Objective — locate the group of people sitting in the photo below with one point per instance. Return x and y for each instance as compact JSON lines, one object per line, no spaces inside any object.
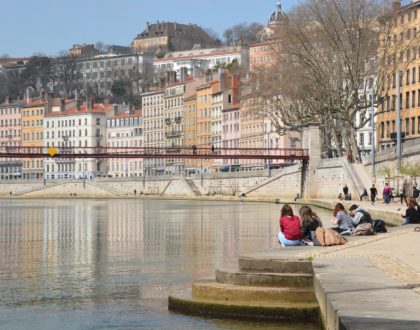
{"x":301,"y":230}
{"x":297,"y":231}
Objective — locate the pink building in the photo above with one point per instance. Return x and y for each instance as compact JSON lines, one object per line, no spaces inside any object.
{"x":231,"y":131}
{"x":10,"y":136}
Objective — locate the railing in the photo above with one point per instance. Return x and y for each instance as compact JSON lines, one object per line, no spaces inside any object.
{"x":158,"y":152}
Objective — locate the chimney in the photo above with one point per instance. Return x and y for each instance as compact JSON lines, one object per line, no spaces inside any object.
{"x":7,"y":101}
{"x":62,"y":105}
{"x":115,"y":109}
{"x":28,"y":96}
{"x":222,"y":79}
{"x":396,"y":5}
{"x":49,"y":102}
{"x":90,"y":103}
{"x":209,"y":76}
{"x":147,"y":27}
{"x":130,"y":109}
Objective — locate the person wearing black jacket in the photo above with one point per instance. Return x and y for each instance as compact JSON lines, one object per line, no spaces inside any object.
{"x":310,"y":222}
{"x":373,"y":194}
{"x":412,"y":215}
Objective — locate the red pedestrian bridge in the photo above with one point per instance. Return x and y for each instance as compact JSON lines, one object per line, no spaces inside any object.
{"x":152,"y":152}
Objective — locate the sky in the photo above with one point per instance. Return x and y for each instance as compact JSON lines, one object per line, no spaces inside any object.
{"x":47,"y":27}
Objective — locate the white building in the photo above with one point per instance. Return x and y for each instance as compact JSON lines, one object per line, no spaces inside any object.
{"x":125,"y":130}
{"x":201,"y":59}
{"x":365,"y":134}
{"x":174,"y":125}
{"x":81,"y":126}
{"x":154,"y":130}
{"x":98,"y":73}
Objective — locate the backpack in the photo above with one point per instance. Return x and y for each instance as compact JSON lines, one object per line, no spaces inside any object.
{"x":329,"y":237}
{"x":366,"y":218}
{"x":379,"y":226}
{"x":364,"y":229}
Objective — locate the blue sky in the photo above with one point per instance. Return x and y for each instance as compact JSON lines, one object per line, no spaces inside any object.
{"x":49,"y":26}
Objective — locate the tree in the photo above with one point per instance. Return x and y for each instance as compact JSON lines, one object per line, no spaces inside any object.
{"x":38,"y":73}
{"x":329,"y":55}
{"x":67,"y":74}
{"x":247,"y":33}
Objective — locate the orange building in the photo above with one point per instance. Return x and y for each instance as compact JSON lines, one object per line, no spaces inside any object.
{"x":32,"y":136}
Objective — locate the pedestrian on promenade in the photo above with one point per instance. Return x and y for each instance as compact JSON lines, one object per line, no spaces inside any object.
{"x":310,"y":222}
{"x":403,"y":195}
{"x":411,"y":215}
{"x":342,"y":222}
{"x":346,"y":192}
{"x":416,"y":194}
{"x":364,"y":194}
{"x":290,"y":233}
{"x":373,"y":194}
{"x":350,"y":157}
{"x":387,"y":192}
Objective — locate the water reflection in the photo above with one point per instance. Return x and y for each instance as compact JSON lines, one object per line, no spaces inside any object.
{"x":102,"y":264}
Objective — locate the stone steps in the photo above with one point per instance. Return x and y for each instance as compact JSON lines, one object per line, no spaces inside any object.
{"x":226,"y":292}
{"x":291,"y":280}
{"x":270,"y":265}
{"x":262,"y":288}
{"x":266,"y":310}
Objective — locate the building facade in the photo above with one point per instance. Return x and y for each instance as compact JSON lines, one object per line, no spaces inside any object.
{"x":405,"y":60}
{"x":32,"y":137}
{"x":174,"y":126}
{"x":80,"y":126}
{"x":154,"y":131}
{"x":125,"y":130}
{"x":10,"y":137}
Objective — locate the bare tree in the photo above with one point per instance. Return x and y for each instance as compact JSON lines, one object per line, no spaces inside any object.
{"x":247,"y":33}
{"x":329,"y":56}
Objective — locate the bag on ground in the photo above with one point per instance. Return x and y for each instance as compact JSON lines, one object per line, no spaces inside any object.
{"x":379,"y":226}
{"x":329,"y":237}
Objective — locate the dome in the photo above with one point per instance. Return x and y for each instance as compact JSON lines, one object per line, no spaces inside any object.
{"x":278,"y":16}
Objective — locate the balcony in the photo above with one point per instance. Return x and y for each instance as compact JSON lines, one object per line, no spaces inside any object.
{"x":173,"y":134}
{"x":168,"y":121}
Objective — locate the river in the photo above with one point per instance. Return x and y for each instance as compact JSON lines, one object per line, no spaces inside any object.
{"x":111,"y":264}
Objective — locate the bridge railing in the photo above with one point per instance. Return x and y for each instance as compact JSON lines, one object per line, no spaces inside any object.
{"x":155,"y":152}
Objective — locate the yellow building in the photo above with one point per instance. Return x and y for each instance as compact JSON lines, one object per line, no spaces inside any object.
{"x":404,"y":56}
{"x":32,"y":136}
{"x":204,"y":120}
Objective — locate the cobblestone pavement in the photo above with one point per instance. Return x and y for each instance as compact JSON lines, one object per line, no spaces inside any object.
{"x":395,"y":253}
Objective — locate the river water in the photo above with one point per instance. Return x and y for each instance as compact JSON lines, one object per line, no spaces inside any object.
{"x":111,"y":264}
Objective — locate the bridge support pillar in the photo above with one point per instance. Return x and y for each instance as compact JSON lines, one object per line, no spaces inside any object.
{"x":311,"y":140}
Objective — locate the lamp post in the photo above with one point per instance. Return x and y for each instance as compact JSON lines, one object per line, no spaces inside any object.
{"x":399,"y":122}
{"x":372,"y":123}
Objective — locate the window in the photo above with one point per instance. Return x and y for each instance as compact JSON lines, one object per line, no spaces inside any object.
{"x":98,"y":121}
{"x":407,"y":126}
{"x":413,"y":125}
{"x":407,"y":100}
{"x":362,"y":139}
{"x":413,"y":99}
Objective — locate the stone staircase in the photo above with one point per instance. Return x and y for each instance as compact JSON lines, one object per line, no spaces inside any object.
{"x":268,"y":289}
{"x":193,"y":187}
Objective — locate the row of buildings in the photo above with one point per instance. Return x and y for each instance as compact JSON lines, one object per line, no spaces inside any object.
{"x":205,"y":112}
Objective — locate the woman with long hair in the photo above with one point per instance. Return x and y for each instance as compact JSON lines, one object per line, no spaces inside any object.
{"x":411,"y":215}
{"x":309,"y":222}
{"x":342,"y":221}
{"x":290,"y":229}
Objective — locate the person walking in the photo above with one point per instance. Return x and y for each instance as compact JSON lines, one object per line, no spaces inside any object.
{"x":387,"y":192}
{"x":403,"y":195}
{"x":346,"y":192}
{"x":373,"y":194}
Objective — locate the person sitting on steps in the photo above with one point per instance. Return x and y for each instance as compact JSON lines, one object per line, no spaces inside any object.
{"x":342,"y":221}
{"x":359,"y":215}
{"x":310,"y":222}
{"x":290,"y":228}
{"x":411,"y":215}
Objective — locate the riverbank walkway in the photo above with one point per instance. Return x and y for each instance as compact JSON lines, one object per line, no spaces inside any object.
{"x":372,"y":282}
